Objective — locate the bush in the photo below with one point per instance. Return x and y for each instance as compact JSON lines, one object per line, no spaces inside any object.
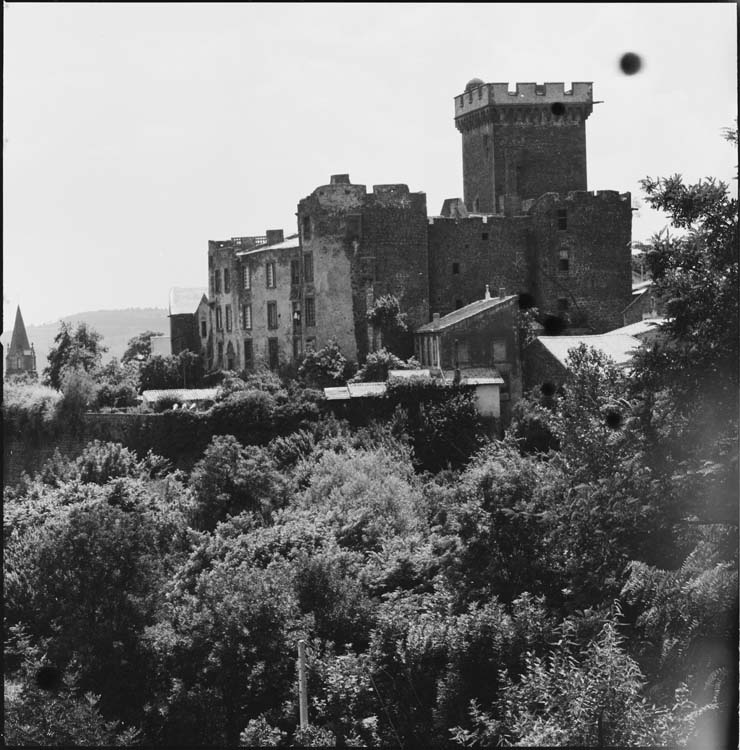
{"x":30,"y":408}
{"x":377,"y":364}
{"x":325,"y":367}
{"x":80,"y":393}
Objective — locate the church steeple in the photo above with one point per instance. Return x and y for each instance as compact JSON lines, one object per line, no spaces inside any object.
{"x":21,"y":358}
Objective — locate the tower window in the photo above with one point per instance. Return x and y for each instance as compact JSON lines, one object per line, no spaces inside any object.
{"x":272,"y":315}
{"x":306,"y":224}
{"x":227,"y":281}
{"x":563,"y":260}
{"x":228,"y":317}
{"x":562,"y":218}
{"x":455,"y":268}
{"x":217,"y":281}
{"x":246,"y":317}
{"x":310,"y":307}
{"x":219,"y":320}
{"x":308,"y":267}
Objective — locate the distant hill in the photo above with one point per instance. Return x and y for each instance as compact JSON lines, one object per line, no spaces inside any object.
{"x":116,"y":327}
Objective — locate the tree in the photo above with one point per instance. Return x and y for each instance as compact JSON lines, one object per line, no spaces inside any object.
{"x":377,"y":364}
{"x":595,"y":700}
{"x":230,"y":479}
{"x":80,"y":349}
{"x":139,"y":348}
{"x":184,"y":370}
{"x":386,"y":316}
{"x":325,"y":367}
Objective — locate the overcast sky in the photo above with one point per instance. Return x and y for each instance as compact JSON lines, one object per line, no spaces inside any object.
{"x":134,"y":133}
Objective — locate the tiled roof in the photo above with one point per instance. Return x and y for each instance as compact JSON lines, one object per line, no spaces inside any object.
{"x":291,"y":243}
{"x":475,"y":376}
{"x":354,"y":390}
{"x":649,"y":325}
{"x":181,"y":394}
{"x":360,"y":390}
{"x":469,"y":311}
{"x":618,"y":346}
{"x":185,"y":300}
{"x":409,"y":374}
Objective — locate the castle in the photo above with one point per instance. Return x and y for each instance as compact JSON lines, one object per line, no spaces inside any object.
{"x":526,"y":226}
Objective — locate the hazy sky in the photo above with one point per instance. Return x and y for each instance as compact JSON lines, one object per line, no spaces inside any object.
{"x":134,"y":133}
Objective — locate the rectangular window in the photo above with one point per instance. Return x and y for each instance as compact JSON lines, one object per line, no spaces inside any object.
{"x":562,"y":218}
{"x":296,"y":318}
{"x":484,"y":235}
{"x":272,"y":315}
{"x":270,"y":274}
{"x":310,"y":308}
{"x":306,"y":225}
{"x":217,"y":281}
{"x":203,"y":329}
{"x":308,"y":267}
{"x":563,"y":260}
{"x":272,"y":353}
{"x":247,"y":317}
{"x":219,"y":319}
{"x":246,"y":276}
{"x":295,"y":272}
{"x":227,"y":281}
{"x":248,"y":354}
{"x":296,"y":348}
{"x":228,"y":318}
{"x":499,"y":350}
{"x":455,"y":268}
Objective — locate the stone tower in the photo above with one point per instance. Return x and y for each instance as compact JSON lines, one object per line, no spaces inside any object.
{"x":21,"y":357}
{"x":521,"y":144}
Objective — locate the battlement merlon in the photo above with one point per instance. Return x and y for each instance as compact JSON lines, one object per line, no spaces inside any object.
{"x":497,"y":96}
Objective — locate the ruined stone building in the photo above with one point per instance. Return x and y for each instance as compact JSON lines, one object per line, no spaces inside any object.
{"x":526,"y":226}
{"x":21,"y":357}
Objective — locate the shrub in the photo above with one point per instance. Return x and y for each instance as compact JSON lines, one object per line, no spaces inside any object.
{"x":377,"y":364}
{"x":325,"y":367}
{"x":30,"y":408}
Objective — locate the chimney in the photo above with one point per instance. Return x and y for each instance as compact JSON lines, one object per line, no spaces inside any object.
{"x":502,"y":291}
{"x":274,"y":236}
{"x":339,"y":179}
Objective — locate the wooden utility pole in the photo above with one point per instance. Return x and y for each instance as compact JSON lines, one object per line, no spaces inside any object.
{"x":302,"y":687}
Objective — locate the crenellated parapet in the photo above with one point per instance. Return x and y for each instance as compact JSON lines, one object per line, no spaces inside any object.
{"x":528,"y":103}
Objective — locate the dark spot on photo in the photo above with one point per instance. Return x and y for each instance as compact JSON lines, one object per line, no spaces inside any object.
{"x":48,"y":678}
{"x":630,"y":63}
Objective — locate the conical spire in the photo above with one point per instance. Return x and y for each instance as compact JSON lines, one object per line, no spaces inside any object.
{"x":19,"y":343}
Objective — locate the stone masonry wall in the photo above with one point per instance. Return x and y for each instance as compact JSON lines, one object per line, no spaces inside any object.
{"x":364,"y":246}
{"x":467,"y":254}
{"x":598,"y":281}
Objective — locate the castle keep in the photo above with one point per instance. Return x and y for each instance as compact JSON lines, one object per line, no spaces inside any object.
{"x":527,"y":226}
